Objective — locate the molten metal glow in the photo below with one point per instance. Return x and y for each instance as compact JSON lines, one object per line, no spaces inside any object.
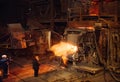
{"x":63,"y":49}
{"x":88,"y":28}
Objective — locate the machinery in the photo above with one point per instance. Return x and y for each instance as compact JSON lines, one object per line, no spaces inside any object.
{"x":13,"y":40}
{"x":98,"y":48}
{"x":18,"y":42}
{"x":83,"y":38}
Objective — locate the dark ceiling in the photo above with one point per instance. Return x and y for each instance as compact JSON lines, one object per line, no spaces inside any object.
{"x":15,"y":10}
{"x":12,"y":9}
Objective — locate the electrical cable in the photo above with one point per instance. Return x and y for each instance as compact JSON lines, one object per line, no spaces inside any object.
{"x":46,"y":12}
{"x":113,"y":75}
{"x":105,"y":75}
{"x":98,"y":51}
{"x":103,"y":62}
{"x":100,"y":59}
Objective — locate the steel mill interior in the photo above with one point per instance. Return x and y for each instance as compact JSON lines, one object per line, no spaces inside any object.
{"x":74,"y":40}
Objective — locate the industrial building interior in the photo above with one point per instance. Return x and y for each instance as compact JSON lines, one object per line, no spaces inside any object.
{"x":76,"y":40}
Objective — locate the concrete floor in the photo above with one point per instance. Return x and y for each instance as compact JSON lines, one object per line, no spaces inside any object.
{"x":52,"y":72}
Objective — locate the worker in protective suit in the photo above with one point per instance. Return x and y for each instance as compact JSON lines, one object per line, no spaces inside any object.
{"x":4,"y":64}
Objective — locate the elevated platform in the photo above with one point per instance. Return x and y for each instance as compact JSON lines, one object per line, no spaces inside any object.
{"x":92,"y":70}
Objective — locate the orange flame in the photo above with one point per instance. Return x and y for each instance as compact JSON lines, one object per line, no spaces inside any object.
{"x":65,"y":59}
{"x":63,"y":49}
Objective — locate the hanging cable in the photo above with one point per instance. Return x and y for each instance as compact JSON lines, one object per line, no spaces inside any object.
{"x":105,"y":64}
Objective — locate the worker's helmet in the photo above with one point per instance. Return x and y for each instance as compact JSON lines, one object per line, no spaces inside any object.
{"x":4,"y":56}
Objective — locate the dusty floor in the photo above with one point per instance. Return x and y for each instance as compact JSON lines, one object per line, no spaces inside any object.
{"x":52,"y":72}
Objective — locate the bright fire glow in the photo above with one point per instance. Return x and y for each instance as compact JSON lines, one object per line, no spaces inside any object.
{"x":63,"y":49}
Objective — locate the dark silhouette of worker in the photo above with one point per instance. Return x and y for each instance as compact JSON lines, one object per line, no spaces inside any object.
{"x":4,"y":65}
{"x":36,"y":65}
